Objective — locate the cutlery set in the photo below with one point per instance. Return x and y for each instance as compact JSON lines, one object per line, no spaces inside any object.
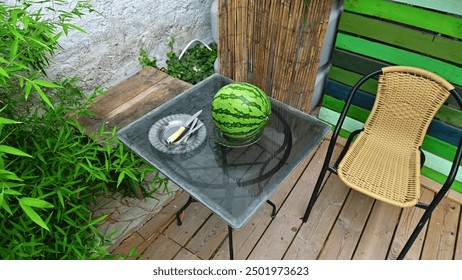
{"x":187,"y":128}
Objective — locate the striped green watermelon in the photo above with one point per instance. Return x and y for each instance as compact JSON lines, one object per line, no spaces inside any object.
{"x":240,"y":110}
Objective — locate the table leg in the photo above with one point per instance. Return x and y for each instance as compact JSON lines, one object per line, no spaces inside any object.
{"x":230,"y":241}
{"x":273,"y":213}
{"x":178,"y":218}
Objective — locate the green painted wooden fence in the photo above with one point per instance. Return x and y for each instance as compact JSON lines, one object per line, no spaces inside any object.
{"x":420,"y":33}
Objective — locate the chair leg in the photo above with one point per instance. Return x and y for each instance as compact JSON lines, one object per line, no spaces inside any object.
{"x":315,"y":193}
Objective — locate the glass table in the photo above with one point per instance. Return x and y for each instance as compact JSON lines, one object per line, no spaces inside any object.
{"x":233,"y":180}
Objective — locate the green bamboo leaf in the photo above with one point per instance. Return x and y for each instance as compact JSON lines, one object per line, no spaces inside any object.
{"x":76,"y":28}
{"x":7,"y":121}
{"x":11,"y":192}
{"x":33,"y":215}
{"x":8,"y":175}
{"x":2,"y":60}
{"x":14,"y":49}
{"x":97,"y":220}
{"x":47,"y":84}
{"x":60,"y":197}
{"x":13,"y":151}
{"x":27,"y":89}
{"x":4,"y":204}
{"x":121,"y":178}
{"x":43,"y":95}
{"x":35,"y":202}
{"x":1,"y":199}
{"x":4,"y":73}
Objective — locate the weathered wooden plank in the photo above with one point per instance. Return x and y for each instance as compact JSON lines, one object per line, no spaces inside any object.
{"x":393,"y":55}
{"x":356,"y":63}
{"x":311,"y":237}
{"x":245,"y":238}
{"x":184,"y":254}
{"x":134,"y":240}
{"x":131,"y":99}
{"x":350,"y":78}
{"x":441,"y":236}
{"x":162,"y":219}
{"x":282,"y":230}
{"x":402,"y":37}
{"x":447,"y":6}
{"x":435,"y":187}
{"x":408,"y":220}
{"x":363,"y":65}
{"x":162,"y":248}
{"x":458,"y":251}
{"x":440,"y":178}
{"x":207,"y":240}
{"x":347,"y":230}
{"x":194,"y":216}
{"x":378,"y":232}
{"x":425,"y":19}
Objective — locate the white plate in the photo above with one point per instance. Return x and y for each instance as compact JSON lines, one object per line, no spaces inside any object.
{"x":164,"y":127}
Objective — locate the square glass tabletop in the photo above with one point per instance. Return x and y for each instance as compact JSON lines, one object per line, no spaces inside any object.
{"x":232,"y":179}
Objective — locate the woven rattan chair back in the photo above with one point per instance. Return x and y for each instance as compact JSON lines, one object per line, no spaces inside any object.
{"x":384,"y":162}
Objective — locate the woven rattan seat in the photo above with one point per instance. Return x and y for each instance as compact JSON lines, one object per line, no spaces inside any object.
{"x":385,"y":159}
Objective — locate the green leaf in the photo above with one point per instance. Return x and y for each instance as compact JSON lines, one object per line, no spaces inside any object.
{"x":43,"y":95}
{"x":76,"y":28}
{"x":47,"y":84}
{"x":33,"y":215}
{"x":60,"y":197}
{"x":121,"y":178}
{"x":7,"y":175}
{"x":11,"y":192}
{"x":4,"y":204}
{"x":35,"y":202}
{"x":13,"y":151}
{"x":4,"y":73}
{"x":27,"y":89}
{"x":97,"y":220}
{"x":7,"y":121}
{"x":14,"y":49}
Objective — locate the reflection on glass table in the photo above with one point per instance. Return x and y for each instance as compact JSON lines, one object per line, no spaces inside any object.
{"x":233,"y":181}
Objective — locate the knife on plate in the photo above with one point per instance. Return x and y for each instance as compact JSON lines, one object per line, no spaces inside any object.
{"x":175,"y":135}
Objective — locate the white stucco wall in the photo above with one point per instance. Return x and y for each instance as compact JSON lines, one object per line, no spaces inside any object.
{"x":109,"y":52}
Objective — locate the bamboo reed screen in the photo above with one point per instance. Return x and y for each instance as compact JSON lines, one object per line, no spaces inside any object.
{"x":275,"y":45}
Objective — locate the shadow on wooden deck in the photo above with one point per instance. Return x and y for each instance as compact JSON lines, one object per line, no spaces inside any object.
{"x":343,"y":225}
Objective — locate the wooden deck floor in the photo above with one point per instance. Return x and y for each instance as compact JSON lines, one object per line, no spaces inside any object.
{"x":344,"y":225}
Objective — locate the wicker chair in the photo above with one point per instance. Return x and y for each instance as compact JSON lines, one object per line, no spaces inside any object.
{"x":384,"y":161}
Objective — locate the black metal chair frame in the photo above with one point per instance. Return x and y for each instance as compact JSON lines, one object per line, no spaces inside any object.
{"x":333,"y":169}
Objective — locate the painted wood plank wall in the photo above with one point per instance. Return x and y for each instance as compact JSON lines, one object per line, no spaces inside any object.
{"x":447,"y":6}
{"x":420,"y":33}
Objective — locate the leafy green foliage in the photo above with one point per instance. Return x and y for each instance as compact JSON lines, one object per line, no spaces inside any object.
{"x":51,"y":172}
{"x":194,"y":66}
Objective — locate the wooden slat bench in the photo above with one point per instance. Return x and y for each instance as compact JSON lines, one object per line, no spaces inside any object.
{"x":131,"y":99}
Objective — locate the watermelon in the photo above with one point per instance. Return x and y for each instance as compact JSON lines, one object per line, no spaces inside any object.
{"x":240,"y":110}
